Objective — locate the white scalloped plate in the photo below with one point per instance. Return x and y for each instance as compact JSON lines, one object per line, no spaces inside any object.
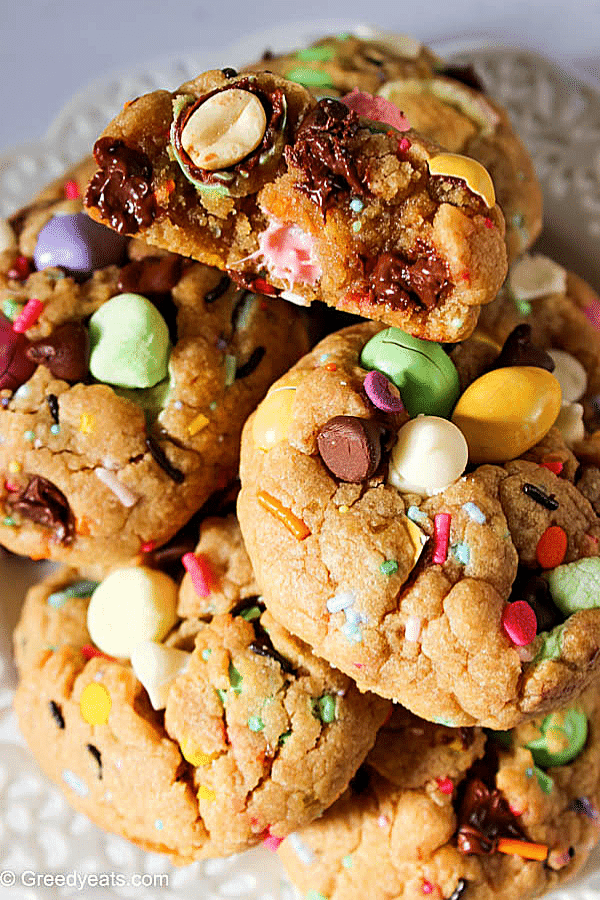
{"x":558,"y":116}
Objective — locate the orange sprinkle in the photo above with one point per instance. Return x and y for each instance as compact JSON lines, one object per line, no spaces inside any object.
{"x":296,"y":526}
{"x":551,"y":547}
{"x":331,"y":367}
{"x":525,"y":849}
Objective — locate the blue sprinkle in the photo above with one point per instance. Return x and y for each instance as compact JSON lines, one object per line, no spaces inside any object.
{"x":439,"y":720}
{"x":357,"y":205}
{"x":323,"y":357}
{"x":159,"y":825}
{"x":473,"y":511}
{"x":461,"y":552}
{"x":75,"y":783}
{"x":303,"y":852}
{"x":416,"y":515}
{"x":55,"y":429}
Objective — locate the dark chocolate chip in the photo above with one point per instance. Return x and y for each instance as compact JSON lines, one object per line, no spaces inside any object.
{"x":228,"y":72}
{"x":151,"y":275}
{"x":218,"y":290}
{"x":97,"y":756}
{"x":160,"y":458}
{"x":122,"y":189}
{"x":42,"y":502}
{"x":15,"y":366}
{"x":465,"y":74}
{"x":52,"y":401}
{"x":518,"y":350}
{"x":57,"y":714}
{"x":548,"y":501}
{"x":65,"y":352}
{"x":350,"y":447}
{"x":400,"y":283}
{"x":458,"y":890}
{"x":251,"y":364}
{"x":262,"y":646}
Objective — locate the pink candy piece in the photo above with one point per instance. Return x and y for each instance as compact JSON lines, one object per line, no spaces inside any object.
{"x":272,"y":843}
{"x":441,"y":536}
{"x":288,"y":254}
{"x":28,"y":315}
{"x":592,"y":311}
{"x":446,"y":785}
{"x":376,"y":108}
{"x":379,"y":392}
{"x":72,"y":190}
{"x":199,"y":571}
{"x":520,"y":623}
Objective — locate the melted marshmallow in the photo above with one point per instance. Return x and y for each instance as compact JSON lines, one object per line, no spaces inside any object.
{"x":288,"y":254}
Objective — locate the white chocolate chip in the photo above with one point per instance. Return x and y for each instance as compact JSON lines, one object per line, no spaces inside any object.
{"x":429,"y":454}
{"x":536,"y":276}
{"x":131,"y":605}
{"x":570,"y":423}
{"x":570,"y":374}
{"x":224,"y":129}
{"x":157,"y":667}
{"x":8,"y":239}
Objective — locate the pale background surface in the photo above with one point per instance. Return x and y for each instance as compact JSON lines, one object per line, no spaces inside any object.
{"x":50,"y":49}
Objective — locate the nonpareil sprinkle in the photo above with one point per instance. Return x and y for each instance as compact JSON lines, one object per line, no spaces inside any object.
{"x":388,"y":567}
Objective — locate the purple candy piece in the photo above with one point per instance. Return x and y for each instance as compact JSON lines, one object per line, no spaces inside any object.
{"x":379,"y":391}
{"x":15,"y":368}
{"x":78,"y":244}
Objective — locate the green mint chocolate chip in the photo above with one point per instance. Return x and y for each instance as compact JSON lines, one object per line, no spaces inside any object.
{"x":576,"y":585}
{"x":321,"y":53}
{"x":563,"y":736}
{"x":551,"y":646}
{"x":309,"y":77}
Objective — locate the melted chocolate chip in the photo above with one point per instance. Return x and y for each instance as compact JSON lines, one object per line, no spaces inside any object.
{"x":323,"y":152}
{"x":52,"y":401}
{"x":150,"y":275}
{"x":262,"y":644}
{"x":458,"y":890}
{"x":219,"y":289}
{"x":42,"y":502}
{"x":400,"y":283}
{"x":160,"y":458}
{"x":251,"y":364}
{"x":122,"y":189}
{"x":57,"y":714}
{"x":518,"y":350}
{"x":548,"y":501}
{"x":534,"y":589}
{"x":350,"y":447}
{"x":66,"y":352}
{"x":228,"y":72}
{"x":466,"y":75}
{"x":97,"y":756}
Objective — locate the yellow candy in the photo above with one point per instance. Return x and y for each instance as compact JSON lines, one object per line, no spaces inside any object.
{"x":476,"y":177}
{"x":506,"y":411}
{"x":205,"y":793}
{"x":95,"y":704}
{"x":274,"y":415}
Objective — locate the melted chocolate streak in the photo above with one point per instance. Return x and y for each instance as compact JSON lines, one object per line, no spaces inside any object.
{"x":262,"y":645}
{"x":160,"y":458}
{"x":122,"y":189}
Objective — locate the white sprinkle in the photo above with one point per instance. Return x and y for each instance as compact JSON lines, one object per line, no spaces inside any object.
{"x":383,"y":821}
{"x":412,"y":629}
{"x":177,"y":404}
{"x":75,"y":783}
{"x":352,"y":617}
{"x":22,"y":392}
{"x":341,"y":600}
{"x":473,"y":511}
{"x":121,"y":491}
{"x":304,"y":853}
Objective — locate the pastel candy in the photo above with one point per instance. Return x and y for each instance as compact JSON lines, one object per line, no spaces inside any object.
{"x":429,"y":454}
{"x":563,"y":737}
{"x":536,"y":276}
{"x":157,"y":666}
{"x":506,"y":411}
{"x":576,"y":585}
{"x":476,"y":177}
{"x":129,"y":342}
{"x":273,"y":417}
{"x":15,"y":367}
{"x":570,"y":374}
{"x":78,"y":244}
{"x":131,"y":605}
{"x":423,"y":373}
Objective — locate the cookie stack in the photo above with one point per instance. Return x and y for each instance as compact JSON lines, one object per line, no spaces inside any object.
{"x":420,"y":491}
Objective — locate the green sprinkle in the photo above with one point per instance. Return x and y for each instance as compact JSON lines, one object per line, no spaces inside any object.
{"x":206,"y":654}
{"x":347,"y":861}
{"x":343,"y":36}
{"x":255,"y":723}
{"x":356,"y":226}
{"x":324,"y":708}
{"x":55,"y":429}
{"x":545,"y":782}
{"x":439,"y":720}
{"x":251,"y":614}
{"x":284,"y":737}
{"x":523,"y":307}
{"x":11,"y":308}
{"x":222,"y":695}
{"x":235,"y":679}
{"x":461,"y":552}
{"x":230,"y":369}
{"x":245,"y":311}
{"x":389,"y":567}
{"x":309,"y":77}
{"x":83,"y":588}
{"x":315,"y":895}
{"x":213,"y":405}
{"x":29,"y":435}
{"x":316,"y":54}
{"x":9,"y":521}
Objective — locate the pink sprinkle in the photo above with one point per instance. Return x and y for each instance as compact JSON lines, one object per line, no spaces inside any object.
{"x":358,"y":665}
{"x":446,"y":785}
{"x":72,"y":190}
{"x":404,"y":145}
{"x":520,"y":623}
{"x":592,"y":311}
{"x":379,"y":391}
{"x":89,"y":651}
{"x":441,"y":536}
{"x":516,"y":811}
{"x":11,"y":487}
{"x":427,"y":887}
{"x":148,"y":547}
{"x":272,"y":843}
{"x":376,"y":108}
{"x":489,"y":223}
{"x":28,"y":315}
{"x":554,"y":465}
{"x":199,"y":572}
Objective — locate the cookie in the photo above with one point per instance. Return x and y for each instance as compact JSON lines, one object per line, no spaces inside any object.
{"x":458,"y":814}
{"x":128,"y":375}
{"x":409,"y":525}
{"x":445,"y":103}
{"x":310,"y":199}
{"x":232,"y":733}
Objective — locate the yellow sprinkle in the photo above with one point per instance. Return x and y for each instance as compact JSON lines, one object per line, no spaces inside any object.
{"x":95,"y":704}
{"x":343,"y":509}
{"x":14,"y":467}
{"x":197,"y":424}
{"x":195,"y":757}
{"x":205,"y":793}
{"x":86,"y":423}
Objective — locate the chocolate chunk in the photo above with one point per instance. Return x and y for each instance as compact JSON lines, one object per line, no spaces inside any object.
{"x":52,"y":401}
{"x":251,"y":364}
{"x":458,"y":890}
{"x":66,"y":352}
{"x":218,"y":290}
{"x":151,"y":275}
{"x":42,"y":502}
{"x":400,"y":283}
{"x":15,"y":366}
{"x":228,"y":72}
{"x":548,"y":501}
{"x":122,"y":189}
{"x":160,"y":458}
{"x":97,"y":756}
{"x":350,"y":447}
{"x":465,"y":74}
{"x":518,"y":350}
{"x":57,"y":714}
{"x":323,"y":150}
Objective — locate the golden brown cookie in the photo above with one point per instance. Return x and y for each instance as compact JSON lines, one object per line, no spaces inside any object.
{"x":123,"y":393}
{"x":305,"y":198}
{"x":233,"y":732}
{"x":456,"y":814}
